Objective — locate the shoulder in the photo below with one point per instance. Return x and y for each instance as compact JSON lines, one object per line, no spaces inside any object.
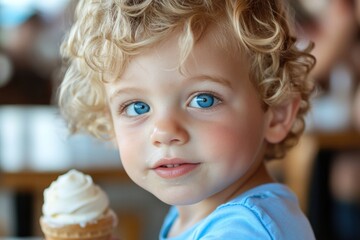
{"x":270,"y":211}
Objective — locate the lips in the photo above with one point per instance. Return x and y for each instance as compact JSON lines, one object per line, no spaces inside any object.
{"x":170,"y":165}
{"x":173,"y":168}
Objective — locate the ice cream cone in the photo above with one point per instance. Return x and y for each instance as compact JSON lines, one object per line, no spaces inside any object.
{"x":100,"y":229}
{"x":76,"y":209}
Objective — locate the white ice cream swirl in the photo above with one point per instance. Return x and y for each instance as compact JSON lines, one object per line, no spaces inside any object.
{"x":73,"y":199}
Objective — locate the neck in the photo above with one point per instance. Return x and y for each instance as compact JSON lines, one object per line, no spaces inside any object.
{"x":191,"y":214}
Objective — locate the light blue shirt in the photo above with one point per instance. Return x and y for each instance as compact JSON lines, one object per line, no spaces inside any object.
{"x":269,"y":211}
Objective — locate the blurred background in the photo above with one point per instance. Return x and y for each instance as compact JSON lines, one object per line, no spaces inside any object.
{"x":34,"y":144}
{"x":323,"y":169}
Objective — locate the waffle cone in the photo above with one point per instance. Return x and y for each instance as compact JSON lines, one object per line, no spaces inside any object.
{"x":99,"y":230}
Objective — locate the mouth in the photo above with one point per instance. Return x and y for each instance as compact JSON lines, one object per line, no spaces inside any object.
{"x":173,"y":168}
{"x":170,"y":165}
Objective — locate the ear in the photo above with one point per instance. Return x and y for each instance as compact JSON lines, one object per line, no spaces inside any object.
{"x":281,"y":119}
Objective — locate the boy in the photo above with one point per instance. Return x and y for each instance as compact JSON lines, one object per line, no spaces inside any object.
{"x":197,"y":95}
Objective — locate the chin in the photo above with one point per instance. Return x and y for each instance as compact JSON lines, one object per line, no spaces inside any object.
{"x":178,"y":199}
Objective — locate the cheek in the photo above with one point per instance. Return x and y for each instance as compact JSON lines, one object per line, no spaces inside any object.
{"x":131,"y":158}
{"x":231,"y":141}
{"x":129,"y":147}
{"x":220,"y":138}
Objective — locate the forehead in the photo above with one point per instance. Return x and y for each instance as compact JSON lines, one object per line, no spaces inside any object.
{"x":215,"y":45}
{"x":159,"y":69}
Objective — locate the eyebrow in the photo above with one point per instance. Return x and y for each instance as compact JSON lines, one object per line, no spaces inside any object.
{"x":126,"y":90}
{"x":197,"y":78}
{"x":216,"y":79}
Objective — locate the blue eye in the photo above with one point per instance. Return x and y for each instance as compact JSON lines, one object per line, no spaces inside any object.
{"x":203,"y":100}
{"x":137,"y":108}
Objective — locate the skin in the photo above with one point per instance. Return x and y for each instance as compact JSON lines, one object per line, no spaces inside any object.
{"x":223,"y":144}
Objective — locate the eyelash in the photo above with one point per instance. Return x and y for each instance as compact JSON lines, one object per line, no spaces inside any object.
{"x":216,"y":95}
{"x":124,"y":105}
{"x":209,"y":92}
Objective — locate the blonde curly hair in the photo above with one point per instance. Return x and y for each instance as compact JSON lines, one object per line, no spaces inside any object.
{"x":107,"y":33}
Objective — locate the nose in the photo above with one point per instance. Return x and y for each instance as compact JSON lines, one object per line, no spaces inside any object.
{"x":168,"y":131}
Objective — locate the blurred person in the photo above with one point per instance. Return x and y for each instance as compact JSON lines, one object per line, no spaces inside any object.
{"x":25,"y":83}
{"x":356,"y":56}
{"x":22,"y":83}
{"x":345,"y":176}
{"x":357,"y":7}
{"x":338,"y":43}
{"x":334,"y":208}
{"x":333,"y":30}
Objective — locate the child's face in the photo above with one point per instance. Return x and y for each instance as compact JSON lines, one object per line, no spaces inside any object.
{"x":185,"y":137}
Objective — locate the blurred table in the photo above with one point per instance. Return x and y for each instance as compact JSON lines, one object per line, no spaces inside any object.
{"x":338,"y":140}
{"x":21,"y":238}
{"x":35,"y":145}
{"x":35,"y":148}
{"x":300,"y":161}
